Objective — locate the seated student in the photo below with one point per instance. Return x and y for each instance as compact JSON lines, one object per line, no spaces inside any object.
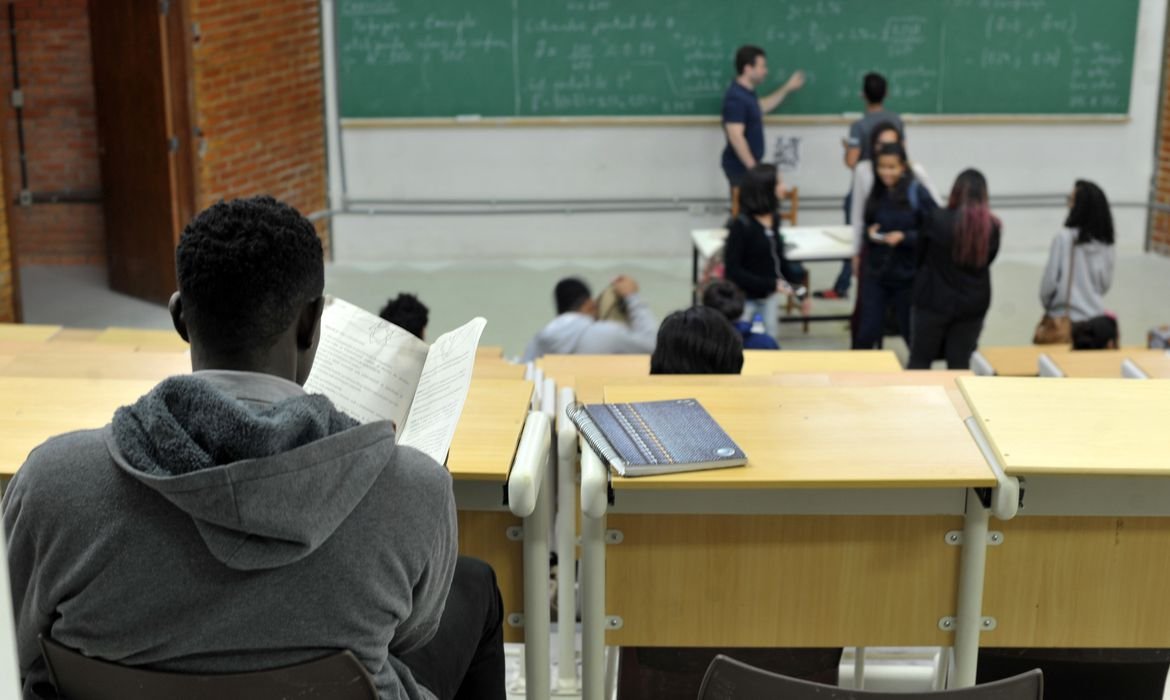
{"x":1098,"y":333}
{"x":577,"y":331}
{"x":408,"y":313}
{"x":894,"y":213}
{"x":752,"y":255}
{"x":727,"y":299}
{"x":698,"y":340}
{"x":227,"y":521}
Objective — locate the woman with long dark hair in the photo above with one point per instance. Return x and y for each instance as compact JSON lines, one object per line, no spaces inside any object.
{"x":1080,"y":263}
{"x":896,"y":209}
{"x":952,"y":289}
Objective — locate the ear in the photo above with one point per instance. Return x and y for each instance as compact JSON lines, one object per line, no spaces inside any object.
{"x":176,"y":308}
{"x":309,"y":324}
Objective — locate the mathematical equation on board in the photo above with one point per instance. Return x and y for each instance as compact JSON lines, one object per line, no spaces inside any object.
{"x":601,"y":56}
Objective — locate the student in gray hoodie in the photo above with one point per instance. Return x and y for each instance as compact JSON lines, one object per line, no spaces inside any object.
{"x":577,"y":331}
{"x":228,"y":521}
{"x":1085,"y":245}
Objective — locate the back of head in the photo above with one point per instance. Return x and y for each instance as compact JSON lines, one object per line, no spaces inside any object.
{"x":974,"y":222}
{"x":246,"y":269}
{"x":571,"y":294}
{"x":698,"y":340}
{"x":880,"y":130}
{"x":757,"y":191}
{"x":1098,"y":333}
{"x":1090,"y":214}
{"x":408,"y":313}
{"x":746,"y":56}
{"x":874,"y":87}
{"x":726,"y":298}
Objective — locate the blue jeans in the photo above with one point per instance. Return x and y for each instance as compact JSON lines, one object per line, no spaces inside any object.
{"x":845,"y":277}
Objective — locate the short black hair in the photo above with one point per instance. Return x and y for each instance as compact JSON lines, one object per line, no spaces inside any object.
{"x":757,"y":190}
{"x":726,"y":298}
{"x":1090,"y":214}
{"x":246,"y":268}
{"x":874,"y":87}
{"x":881,"y":128}
{"x":746,"y":56}
{"x":698,"y":340}
{"x":570,"y":294}
{"x":1097,"y":333}
{"x":406,"y":312}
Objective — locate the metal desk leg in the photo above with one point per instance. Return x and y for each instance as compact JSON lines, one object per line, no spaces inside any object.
{"x":969,"y":620}
{"x":594,"y":486}
{"x":566,"y":681}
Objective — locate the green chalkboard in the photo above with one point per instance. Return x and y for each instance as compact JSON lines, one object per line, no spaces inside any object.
{"x":545,"y":58}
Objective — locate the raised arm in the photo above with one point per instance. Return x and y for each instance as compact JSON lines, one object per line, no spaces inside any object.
{"x":772,"y":101}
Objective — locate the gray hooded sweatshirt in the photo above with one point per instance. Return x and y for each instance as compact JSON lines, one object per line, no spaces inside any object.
{"x":229,"y":522}
{"x":575,"y":333}
{"x":1092,"y":275}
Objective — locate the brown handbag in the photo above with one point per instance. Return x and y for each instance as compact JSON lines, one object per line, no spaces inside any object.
{"x":1057,"y":330}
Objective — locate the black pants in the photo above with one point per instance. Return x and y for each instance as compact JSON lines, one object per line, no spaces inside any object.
{"x":874,"y":297}
{"x":465,"y":659}
{"x":935,"y":335}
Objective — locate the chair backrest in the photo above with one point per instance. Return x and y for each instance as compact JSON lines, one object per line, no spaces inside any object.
{"x":338,"y":676}
{"x":728,"y":679}
{"x":792,"y":211}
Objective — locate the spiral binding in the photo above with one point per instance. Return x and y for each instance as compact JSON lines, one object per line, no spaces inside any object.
{"x":576,"y":412}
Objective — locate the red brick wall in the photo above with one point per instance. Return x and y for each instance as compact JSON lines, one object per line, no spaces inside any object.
{"x":1160,"y":221}
{"x":60,"y":132}
{"x":260,"y":100}
{"x":9,"y":296}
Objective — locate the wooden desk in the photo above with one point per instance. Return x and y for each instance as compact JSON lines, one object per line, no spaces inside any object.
{"x":143,"y":339}
{"x":98,"y":365}
{"x":26,"y":332}
{"x":75,"y":335}
{"x":1018,"y":361}
{"x":36,"y":409}
{"x":945,"y":379}
{"x":494,"y":352}
{"x":755,"y":362}
{"x":1088,"y":364}
{"x":556,"y":366}
{"x":497,"y":369}
{"x":832,"y":535}
{"x":1084,"y":564}
{"x":1155,"y":363}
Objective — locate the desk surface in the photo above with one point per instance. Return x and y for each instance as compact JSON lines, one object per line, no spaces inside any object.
{"x":97,"y":365}
{"x":1089,"y":364}
{"x":142,"y":338}
{"x":1155,"y":363}
{"x":26,"y":332}
{"x":1073,"y":426}
{"x":489,"y":429}
{"x":755,"y":362}
{"x":1018,"y":361}
{"x":803,"y":243}
{"x":827,"y":437}
{"x":495,"y":368}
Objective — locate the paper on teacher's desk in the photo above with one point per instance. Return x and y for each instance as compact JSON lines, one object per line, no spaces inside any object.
{"x":368,"y":368}
{"x":442,"y":391}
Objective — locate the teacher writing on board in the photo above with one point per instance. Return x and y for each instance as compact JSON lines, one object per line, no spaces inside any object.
{"x":743,"y":114}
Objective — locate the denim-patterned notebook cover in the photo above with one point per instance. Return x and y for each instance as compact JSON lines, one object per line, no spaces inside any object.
{"x":656,"y":437}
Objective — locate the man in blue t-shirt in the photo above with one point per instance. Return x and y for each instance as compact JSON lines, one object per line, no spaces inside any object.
{"x":743,"y":112}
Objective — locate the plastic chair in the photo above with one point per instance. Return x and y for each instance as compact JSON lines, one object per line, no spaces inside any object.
{"x":728,"y":679}
{"x":339,"y":676}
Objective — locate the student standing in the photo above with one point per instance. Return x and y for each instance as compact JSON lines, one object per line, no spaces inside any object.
{"x":952,"y":290}
{"x":1080,"y":262}
{"x":858,"y":148}
{"x":752,"y":254}
{"x":743,"y":114}
{"x":894,"y":214}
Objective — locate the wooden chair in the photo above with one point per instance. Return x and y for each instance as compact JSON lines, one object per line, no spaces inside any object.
{"x":728,"y":679}
{"x":339,"y":676}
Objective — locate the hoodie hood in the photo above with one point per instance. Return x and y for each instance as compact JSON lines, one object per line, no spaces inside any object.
{"x":266,"y":472}
{"x":563,"y":334}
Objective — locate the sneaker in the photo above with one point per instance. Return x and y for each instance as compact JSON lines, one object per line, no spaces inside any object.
{"x":830,"y":294}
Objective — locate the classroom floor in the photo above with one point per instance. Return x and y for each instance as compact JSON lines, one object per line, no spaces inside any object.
{"x":516,"y":297}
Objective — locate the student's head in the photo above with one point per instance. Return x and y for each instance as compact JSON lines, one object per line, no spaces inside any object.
{"x":572,"y":294}
{"x":760,"y":190}
{"x":883,"y":133}
{"x":726,"y":298}
{"x":752,"y":63}
{"x":975,"y":221}
{"x":1098,"y":333}
{"x":408,"y":313}
{"x":874,"y":87}
{"x":890,"y":164}
{"x":698,"y":340}
{"x":1089,"y":214}
{"x":251,"y":276}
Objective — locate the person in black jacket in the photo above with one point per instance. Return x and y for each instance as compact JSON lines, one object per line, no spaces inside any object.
{"x":897,"y":207}
{"x":752,"y":255}
{"x":952,"y":290}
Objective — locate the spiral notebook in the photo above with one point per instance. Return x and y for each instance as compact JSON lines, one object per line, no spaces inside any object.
{"x":655,"y":437}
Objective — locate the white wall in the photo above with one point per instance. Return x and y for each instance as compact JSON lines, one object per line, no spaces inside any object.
{"x":572,"y":162}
